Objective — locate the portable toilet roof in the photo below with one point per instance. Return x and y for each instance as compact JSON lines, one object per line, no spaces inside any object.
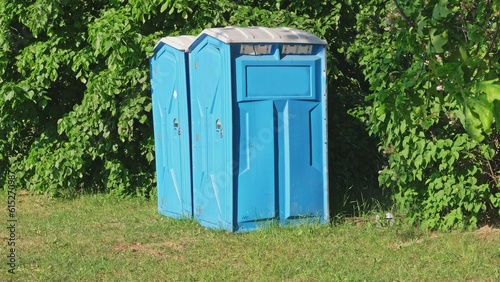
{"x":258,"y":34}
{"x":178,"y":42}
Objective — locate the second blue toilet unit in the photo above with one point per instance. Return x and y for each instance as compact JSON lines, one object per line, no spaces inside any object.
{"x":259,"y":136}
{"x":170,"y":100}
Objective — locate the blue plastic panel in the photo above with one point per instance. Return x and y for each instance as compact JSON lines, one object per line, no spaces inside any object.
{"x":171,"y":128}
{"x":302,"y":160}
{"x":278,"y":82}
{"x":211,"y":134}
{"x":258,"y":135}
{"x":257,"y":179}
{"x":265,"y":77}
{"x":287,"y":154}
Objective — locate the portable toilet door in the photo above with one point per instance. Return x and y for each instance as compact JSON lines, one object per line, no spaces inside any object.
{"x":259,"y":127}
{"x":170,"y":99}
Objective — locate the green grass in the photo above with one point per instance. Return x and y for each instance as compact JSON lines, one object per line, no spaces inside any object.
{"x":100,"y":238}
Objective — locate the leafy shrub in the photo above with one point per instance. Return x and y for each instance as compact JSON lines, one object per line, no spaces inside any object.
{"x":75,"y":99}
{"x":434,"y":69}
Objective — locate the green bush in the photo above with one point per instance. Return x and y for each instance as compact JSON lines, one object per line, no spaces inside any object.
{"x":433,"y":68}
{"x":75,"y":98}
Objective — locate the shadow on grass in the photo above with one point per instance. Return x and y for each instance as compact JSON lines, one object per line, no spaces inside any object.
{"x":354,"y":162}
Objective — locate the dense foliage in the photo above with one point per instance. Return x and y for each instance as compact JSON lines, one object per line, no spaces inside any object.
{"x":434,"y":69}
{"x":75,"y":98}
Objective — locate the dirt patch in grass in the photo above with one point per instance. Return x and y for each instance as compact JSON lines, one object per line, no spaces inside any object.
{"x":160,"y":249}
{"x":411,"y":242}
{"x":488,"y":233}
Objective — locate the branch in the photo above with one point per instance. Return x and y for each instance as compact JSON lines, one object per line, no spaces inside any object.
{"x":493,"y":41}
{"x":407,"y":20}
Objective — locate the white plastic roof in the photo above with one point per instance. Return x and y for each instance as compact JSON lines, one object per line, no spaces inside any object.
{"x":178,"y":42}
{"x":258,"y":34}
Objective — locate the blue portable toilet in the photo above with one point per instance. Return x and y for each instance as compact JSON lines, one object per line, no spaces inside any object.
{"x":259,"y":127}
{"x":170,"y":99}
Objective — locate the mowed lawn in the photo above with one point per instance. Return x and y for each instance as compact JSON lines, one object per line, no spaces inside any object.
{"x":101,"y":238}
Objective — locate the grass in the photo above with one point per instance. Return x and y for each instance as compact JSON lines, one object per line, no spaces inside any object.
{"x":100,"y":238}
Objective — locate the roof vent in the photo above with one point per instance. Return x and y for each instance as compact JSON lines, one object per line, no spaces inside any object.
{"x":296,"y":49}
{"x":255,"y":49}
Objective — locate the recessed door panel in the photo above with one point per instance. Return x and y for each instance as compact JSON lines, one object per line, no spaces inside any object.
{"x":257,"y":179}
{"x":304,"y":183}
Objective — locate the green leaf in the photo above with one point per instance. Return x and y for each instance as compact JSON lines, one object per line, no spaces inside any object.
{"x":492,"y":90}
{"x":484,"y":110}
{"x":172,"y":10}
{"x":43,"y":103}
{"x":438,"y":41}
{"x":9,"y":95}
{"x":471,"y":124}
{"x":440,"y":10}
{"x":496,"y":114}
{"x":418,"y":161}
{"x":463,"y":52}
{"x":496,"y":6}
{"x":421,"y":25}
{"x":381,"y":112}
